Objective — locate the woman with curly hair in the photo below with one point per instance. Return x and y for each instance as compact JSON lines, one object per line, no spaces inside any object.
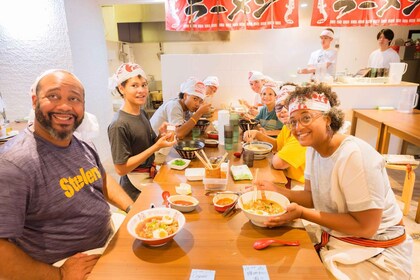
{"x":347,"y":192}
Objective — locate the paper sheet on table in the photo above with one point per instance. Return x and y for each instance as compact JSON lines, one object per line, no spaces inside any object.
{"x":241,"y":172}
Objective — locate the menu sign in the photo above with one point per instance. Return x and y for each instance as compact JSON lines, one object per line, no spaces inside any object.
{"x":365,"y":12}
{"x":226,"y":15}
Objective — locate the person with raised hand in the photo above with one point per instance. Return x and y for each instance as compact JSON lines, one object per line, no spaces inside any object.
{"x":133,"y":141}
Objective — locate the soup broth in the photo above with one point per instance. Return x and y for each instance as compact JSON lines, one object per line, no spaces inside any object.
{"x":225,"y":201}
{"x":183,"y":202}
{"x":267,"y":206}
{"x":146,"y":227}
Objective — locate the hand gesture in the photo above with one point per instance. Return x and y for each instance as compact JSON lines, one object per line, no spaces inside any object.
{"x":250,"y":135}
{"x":294,"y":211}
{"x":163,"y":127}
{"x":78,"y":266}
{"x":164,"y":141}
{"x":204,"y":108}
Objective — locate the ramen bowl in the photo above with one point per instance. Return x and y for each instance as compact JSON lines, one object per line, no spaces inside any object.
{"x":222,"y":201}
{"x":260,"y":149}
{"x":248,"y":124}
{"x":260,"y":215}
{"x":203,"y":124}
{"x":183,"y":203}
{"x":186,"y":149}
{"x":156,"y":236}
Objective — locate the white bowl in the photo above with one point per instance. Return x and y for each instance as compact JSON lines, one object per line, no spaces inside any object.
{"x":172,"y":164}
{"x":258,"y":219}
{"x":260,"y":149}
{"x":182,"y":207}
{"x":223,"y":207}
{"x":155,"y":212}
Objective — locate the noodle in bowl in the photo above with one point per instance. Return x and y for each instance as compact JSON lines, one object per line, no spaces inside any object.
{"x":261,"y":211}
{"x":156,"y":226}
{"x":260,"y":149}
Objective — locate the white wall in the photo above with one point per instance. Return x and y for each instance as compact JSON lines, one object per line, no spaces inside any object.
{"x":284,"y":50}
{"x":44,"y":34}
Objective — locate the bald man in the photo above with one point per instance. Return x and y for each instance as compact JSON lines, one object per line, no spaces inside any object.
{"x":54,"y":189}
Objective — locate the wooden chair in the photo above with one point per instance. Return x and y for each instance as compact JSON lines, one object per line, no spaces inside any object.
{"x":408,"y":187}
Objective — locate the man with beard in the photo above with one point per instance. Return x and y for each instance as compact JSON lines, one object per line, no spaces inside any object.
{"x":53,"y":189}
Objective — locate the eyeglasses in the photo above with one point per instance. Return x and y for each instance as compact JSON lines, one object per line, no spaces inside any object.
{"x":305,"y":119}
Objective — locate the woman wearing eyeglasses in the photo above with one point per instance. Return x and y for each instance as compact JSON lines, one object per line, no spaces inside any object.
{"x":347,"y":193}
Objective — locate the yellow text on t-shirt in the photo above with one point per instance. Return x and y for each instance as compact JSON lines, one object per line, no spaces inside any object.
{"x":74,"y":184}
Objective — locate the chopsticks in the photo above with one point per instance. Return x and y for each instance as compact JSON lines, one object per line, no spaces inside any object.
{"x":222,"y":160}
{"x":207,"y":163}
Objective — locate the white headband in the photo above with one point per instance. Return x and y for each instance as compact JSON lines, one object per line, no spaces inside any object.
{"x":127,"y":71}
{"x":318,"y":102}
{"x":284,"y":92}
{"x":255,"y":75}
{"x":193,"y":86}
{"x":274,"y":86}
{"x":327,"y":33}
{"x":211,"y":81}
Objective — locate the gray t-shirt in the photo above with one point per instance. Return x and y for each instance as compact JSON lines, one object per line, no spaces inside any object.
{"x":130,"y":135}
{"x":171,"y":111}
{"x":52,"y":204}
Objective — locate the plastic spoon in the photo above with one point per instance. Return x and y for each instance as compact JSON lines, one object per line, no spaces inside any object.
{"x":264,"y":243}
{"x":165,"y":195}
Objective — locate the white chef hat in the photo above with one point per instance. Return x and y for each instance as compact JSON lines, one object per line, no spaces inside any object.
{"x":273,"y":85}
{"x":255,"y":75}
{"x":193,"y":86}
{"x":127,"y":71}
{"x":211,"y":81}
{"x":328,"y":33}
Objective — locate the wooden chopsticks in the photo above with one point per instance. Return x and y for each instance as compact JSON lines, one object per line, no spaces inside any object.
{"x":207,"y":163}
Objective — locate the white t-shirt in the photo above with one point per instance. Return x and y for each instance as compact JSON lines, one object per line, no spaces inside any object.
{"x":381,"y":59}
{"x":324,"y":56}
{"x":352,"y":179}
{"x":170,"y":111}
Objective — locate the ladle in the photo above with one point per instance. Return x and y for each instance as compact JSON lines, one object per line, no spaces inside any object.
{"x":264,"y":243}
{"x":165,"y":195}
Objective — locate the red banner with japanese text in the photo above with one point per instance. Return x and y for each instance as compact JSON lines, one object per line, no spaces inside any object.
{"x":365,"y":12}
{"x":226,"y":15}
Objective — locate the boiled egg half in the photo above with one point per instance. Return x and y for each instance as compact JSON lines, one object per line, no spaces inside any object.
{"x":160,"y":233}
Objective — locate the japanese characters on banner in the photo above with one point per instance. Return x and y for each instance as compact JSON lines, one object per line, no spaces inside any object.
{"x":226,"y":15}
{"x":365,"y":12}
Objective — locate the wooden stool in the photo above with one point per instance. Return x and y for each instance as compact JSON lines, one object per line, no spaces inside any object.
{"x":410,"y":178}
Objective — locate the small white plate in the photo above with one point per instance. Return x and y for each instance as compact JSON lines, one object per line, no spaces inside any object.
{"x":194,"y":174}
{"x":179,"y":167}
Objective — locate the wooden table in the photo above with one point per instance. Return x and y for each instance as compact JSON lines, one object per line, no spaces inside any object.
{"x":166,"y":174}
{"x":403,"y":125}
{"x":207,"y":241}
{"x":19,"y":126}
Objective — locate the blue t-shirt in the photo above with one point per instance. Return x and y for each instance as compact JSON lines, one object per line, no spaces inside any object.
{"x":269,"y":120}
{"x":52,"y":204}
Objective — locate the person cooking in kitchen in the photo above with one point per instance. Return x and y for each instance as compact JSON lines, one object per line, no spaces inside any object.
{"x":382,"y":57}
{"x":326,"y":54}
{"x":176,"y":110}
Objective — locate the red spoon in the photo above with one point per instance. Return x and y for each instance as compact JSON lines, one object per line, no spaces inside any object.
{"x":264,"y":243}
{"x":238,"y":154}
{"x":165,"y":195}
